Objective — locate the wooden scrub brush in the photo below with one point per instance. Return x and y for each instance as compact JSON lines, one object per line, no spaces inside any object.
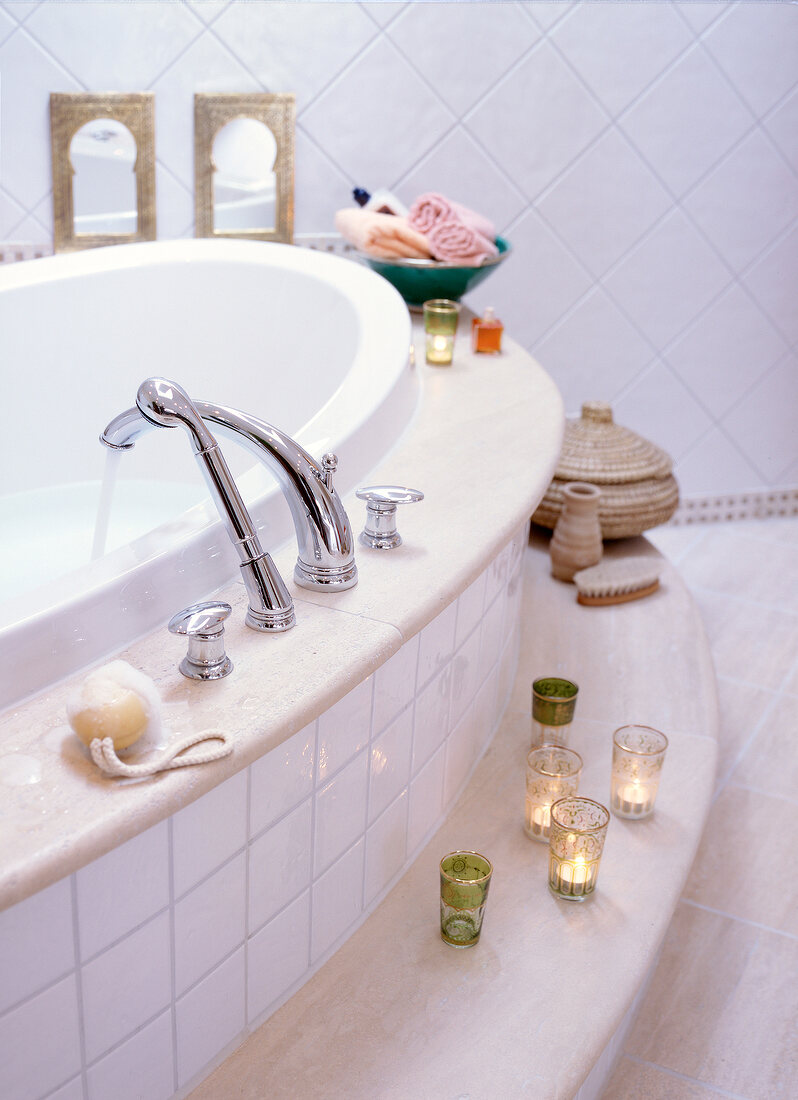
{"x":617,"y":581}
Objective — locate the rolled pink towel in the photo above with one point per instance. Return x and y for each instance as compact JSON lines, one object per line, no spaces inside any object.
{"x":385,"y":235}
{"x":431,"y":209}
{"x":455,"y":242}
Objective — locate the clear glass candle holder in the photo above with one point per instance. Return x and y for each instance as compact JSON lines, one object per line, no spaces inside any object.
{"x":440,"y":326}
{"x":465,"y":880}
{"x":638,"y":753}
{"x":552,"y":773}
{"x":553,"y":706}
{"x":576,"y":841}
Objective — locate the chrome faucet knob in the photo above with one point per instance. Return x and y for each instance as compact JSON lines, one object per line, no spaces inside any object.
{"x":329,"y":465}
{"x":203,"y":623}
{"x":381,"y":500}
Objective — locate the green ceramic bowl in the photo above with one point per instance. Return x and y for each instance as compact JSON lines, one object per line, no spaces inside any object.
{"x":419,"y":280}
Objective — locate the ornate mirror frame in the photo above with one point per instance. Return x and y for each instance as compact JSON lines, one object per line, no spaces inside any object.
{"x":70,"y":111}
{"x":212,"y":112}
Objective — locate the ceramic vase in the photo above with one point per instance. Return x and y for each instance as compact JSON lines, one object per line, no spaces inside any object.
{"x":576,"y":542}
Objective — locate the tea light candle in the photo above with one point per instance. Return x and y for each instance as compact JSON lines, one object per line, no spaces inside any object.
{"x":638,"y":753}
{"x":551,"y":773}
{"x":576,"y":840}
{"x":440,"y":325}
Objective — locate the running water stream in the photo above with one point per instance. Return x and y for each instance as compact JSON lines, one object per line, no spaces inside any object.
{"x":112,"y":459}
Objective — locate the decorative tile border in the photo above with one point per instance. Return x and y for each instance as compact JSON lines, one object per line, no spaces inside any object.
{"x":756,"y":504}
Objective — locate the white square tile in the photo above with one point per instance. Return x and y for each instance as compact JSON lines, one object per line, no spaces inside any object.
{"x":772,"y":279}
{"x":31,"y":1067}
{"x":426,"y":800}
{"x":491,"y":635}
{"x":278,"y":956}
{"x":320,"y":187}
{"x":756,"y":46}
{"x":436,"y":644}
{"x":431,"y":717}
{"x":395,"y":684}
{"x":746,"y":201}
{"x":619,"y":49}
{"x":36,"y":943}
{"x":465,"y":678}
{"x":589,"y":205}
{"x":341,"y":812}
{"x":763,"y":425}
{"x":281,"y":779}
{"x":344,"y":729}
{"x":470,"y":69}
{"x":279,"y":865}
{"x":386,"y":848}
{"x":496,"y":574}
{"x":617,"y":352}
{"x":486,"y":713}
{"x":660,"y":408}
{"x":505,"y":679}
{"x":209,"y":831}
{"x":126,"y":986}
{"x":782,"y":125}
{"x":72,"y":1090}
{"x":141,"y":1067}
{"x":541,"y":144}
{"x":390,"y":763}
{"x":461,"y":755}
{"x":470,"y":605}
{"x":122,"y":889}
{"x":210,"y":922}
{"x":337,"y":899}
{"x":667,"y":279}
{"x":385,"y":86}
{"x":209,"y":1017}
{"x":729,"y":347}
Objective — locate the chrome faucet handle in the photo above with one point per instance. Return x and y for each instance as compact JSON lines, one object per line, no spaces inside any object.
{"x":329,"y":465}
{"x":381,"y":500}
{"x":203,"y":623}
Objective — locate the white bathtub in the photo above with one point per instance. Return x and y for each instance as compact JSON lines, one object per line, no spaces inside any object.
{"x":312,"y":343}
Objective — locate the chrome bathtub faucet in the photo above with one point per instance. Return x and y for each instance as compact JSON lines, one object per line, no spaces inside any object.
{"x":326,"y":557}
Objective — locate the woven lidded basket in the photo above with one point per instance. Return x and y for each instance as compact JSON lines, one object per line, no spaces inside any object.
{"x":638,"y":489}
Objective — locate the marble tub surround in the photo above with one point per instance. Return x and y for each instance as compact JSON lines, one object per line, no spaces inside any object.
{"x":549,"y":982}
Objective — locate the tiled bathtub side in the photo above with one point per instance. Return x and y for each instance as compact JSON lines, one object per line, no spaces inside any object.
{"x":146,"y":967}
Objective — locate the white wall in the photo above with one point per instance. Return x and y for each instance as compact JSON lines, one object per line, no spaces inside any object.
{"x":641,"y":157}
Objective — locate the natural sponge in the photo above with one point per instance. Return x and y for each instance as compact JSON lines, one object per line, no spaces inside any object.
{"x":116,"y":701}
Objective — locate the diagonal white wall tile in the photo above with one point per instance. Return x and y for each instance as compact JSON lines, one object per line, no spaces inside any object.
{"x":605,"y":202}
{"x":662,"y":409}
{"x":294,"y":47}
{"x":459,"y":168}
{"x":618,"y":49}
{"x":379,"y":78}
{"x":687,"y":121}
{"x":668,"y":279}
{"x":7,"y":25}
{"x":715,"y":465}
{"x":86,"y":39}
{"x":756,"y":46}
{"x":558,"y":121}
{"x":772,"y":281}
{"x":486,"y":46}
{"x":547,"y":12}
{"x":385,"y":12}
{"x":762,"y":424}
{"x":594,"y":353}
{"x":782,"y":125}
{"x":729,"y":206}
{"x":320,"y":187}
{"x":726,"y":351}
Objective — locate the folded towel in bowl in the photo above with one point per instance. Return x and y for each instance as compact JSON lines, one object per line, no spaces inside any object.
{"x":388,"y":236}
{"x":455,"y":242}
{"x":431,"y":209}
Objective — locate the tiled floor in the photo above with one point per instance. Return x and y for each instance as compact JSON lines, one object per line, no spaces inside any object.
{"x":721,"y":1014}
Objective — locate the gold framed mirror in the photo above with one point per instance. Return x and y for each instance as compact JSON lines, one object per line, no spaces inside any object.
{"x":103,"y":162}
{"x":244,"y":165}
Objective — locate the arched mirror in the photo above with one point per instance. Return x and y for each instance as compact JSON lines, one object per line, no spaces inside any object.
{"x":244,"y":166}
{"x":103,"y":169}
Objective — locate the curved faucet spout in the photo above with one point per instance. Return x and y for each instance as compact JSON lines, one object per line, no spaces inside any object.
{"x":326,"y":555}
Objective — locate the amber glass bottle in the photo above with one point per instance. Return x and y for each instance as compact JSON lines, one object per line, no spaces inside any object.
{"x":486,"y":333}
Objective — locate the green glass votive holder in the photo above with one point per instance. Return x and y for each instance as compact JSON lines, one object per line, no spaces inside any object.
{"x":553,"y":706}
{"x":465,"y":880}
{"x":440,"y":325}
{"x":638,"y":753}
{"x":576,"y":841}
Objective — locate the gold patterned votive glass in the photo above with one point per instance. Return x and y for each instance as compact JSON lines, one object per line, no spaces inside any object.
{"x":440,"y":326}
{"x":552,"y":772}
{"x":638,"y":753}
{"x":553,"y":706}
{"x":576,"y":841}
{"x":465,"y":879}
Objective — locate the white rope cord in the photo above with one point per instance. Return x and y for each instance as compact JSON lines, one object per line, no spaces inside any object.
{"x":104,"y":755}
